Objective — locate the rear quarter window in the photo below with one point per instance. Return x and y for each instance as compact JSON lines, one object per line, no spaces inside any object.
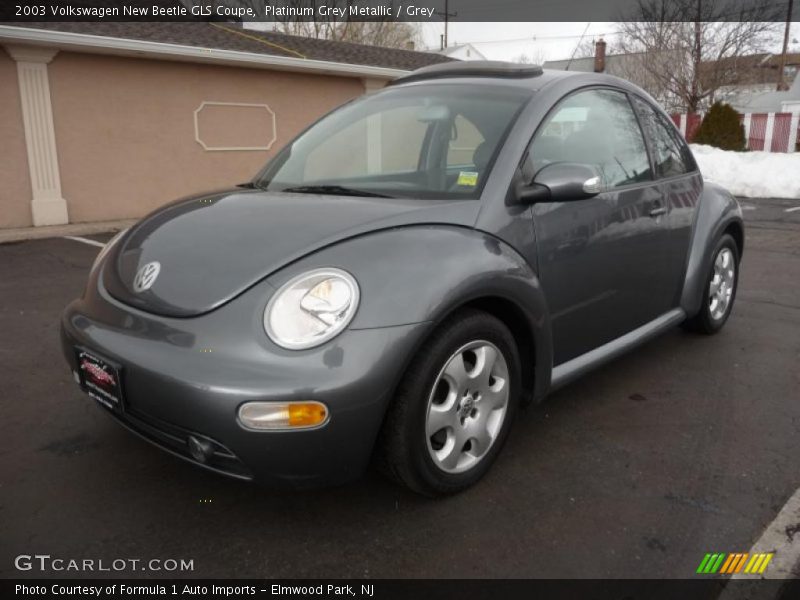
{"x":671,"y":154}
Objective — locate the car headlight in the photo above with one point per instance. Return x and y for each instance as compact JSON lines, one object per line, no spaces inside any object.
{"x":311,"y":308}
{"x":105,"y":249}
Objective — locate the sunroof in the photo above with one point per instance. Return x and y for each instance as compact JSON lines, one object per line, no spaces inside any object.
{"x":477,"y":68}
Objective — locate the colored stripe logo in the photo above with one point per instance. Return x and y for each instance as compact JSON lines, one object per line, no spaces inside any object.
{"x":737,"y":562}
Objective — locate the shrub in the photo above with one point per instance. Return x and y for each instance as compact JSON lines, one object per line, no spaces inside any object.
{"x":721,"y":128}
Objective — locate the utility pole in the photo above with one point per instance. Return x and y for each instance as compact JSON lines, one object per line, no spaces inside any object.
{"x":781,"y":82}
{"x":697,"y":61}
{"x":446,"y":14}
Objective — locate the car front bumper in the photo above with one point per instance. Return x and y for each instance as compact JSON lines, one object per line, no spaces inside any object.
{"x":188,"y":377}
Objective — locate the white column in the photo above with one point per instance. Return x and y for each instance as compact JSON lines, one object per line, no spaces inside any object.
{"x":374,"y":131}
{"x":793,"y":125}
{"x":683,"y":124}
{"x":373,"y":85}
{"x":768,"y":132}
{"x":47,"y":205}
{"x":748,"y":119}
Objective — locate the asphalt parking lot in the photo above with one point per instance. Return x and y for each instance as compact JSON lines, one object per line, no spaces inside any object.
{"x":687,"y":446}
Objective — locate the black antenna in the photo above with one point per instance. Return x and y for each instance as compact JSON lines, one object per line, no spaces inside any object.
{"x":580,"y":39}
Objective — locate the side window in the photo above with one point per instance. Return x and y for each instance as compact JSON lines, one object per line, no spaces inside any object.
{"x":670,"y":153}
{"x":595,"y":127}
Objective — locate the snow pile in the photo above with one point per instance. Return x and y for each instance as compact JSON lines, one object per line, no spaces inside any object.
{"x":751,"y":174}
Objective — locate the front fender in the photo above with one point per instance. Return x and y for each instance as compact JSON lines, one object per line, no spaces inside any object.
{"x":717,"y":211}
{"x":421,"y":274}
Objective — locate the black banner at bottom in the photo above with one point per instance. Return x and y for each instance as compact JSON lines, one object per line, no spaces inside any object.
{"x":383,"y":589}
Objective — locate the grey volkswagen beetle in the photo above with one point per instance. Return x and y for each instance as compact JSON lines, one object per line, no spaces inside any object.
{"x":403,"y":276}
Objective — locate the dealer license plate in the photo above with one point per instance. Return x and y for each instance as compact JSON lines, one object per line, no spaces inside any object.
{"x":100,"y":379}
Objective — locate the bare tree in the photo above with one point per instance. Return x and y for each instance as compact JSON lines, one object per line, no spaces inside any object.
{"x":390,"y":34}
{"x":586,"y":47}
{"x":537,"y":57}
{"x":684,"y":63}
{"x":314,"y":27}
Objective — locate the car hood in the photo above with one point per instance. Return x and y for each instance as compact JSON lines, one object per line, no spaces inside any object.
{"x":213,"y":247}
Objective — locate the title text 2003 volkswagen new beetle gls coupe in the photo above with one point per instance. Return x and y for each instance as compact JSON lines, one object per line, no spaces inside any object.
{"x":405,"y":275}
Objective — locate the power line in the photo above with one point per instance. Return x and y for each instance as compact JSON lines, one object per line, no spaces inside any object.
{"x":539,"y":38}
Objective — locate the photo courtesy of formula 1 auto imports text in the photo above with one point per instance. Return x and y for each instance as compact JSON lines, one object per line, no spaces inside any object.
{"x":391,"y":299}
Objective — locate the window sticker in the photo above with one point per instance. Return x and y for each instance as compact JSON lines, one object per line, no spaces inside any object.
{"x":467,"y":178}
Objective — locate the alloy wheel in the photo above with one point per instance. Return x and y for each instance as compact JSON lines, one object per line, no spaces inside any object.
{"x":720,"y":290}
{"x":467,"y":406}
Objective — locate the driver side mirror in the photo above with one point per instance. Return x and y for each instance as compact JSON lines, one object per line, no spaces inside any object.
{"x":562,"y":182}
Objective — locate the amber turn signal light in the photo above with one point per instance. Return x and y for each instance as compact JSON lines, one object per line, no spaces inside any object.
{"x":276,"y":416}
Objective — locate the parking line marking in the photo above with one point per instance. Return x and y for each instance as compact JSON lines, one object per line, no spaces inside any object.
{"x":780,"y":539}
{"x":85,"y":241}
{"x":794,"y":208}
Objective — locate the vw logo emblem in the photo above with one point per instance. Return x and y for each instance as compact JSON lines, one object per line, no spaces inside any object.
{"x":146,"y":276}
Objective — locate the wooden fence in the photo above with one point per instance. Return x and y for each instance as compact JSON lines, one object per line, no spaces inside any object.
{"x":769,"y":132}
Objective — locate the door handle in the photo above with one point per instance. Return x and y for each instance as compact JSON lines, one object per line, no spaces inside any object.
{"x":658,"y":211}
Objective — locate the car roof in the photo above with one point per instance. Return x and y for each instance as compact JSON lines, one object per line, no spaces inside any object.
{"x":477,"y":68}
{"x":492,"y":72}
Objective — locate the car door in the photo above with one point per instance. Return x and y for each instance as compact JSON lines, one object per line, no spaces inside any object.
{"x":682,"y":186}
{"x":597,"y":257}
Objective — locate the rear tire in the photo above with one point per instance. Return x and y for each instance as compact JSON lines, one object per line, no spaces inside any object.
{"x":720,"y":289}
{"x":454,"y":407}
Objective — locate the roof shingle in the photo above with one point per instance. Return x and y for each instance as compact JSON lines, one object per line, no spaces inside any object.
{"x":231,"y":36}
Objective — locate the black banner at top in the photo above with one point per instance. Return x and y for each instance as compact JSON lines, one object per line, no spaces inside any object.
{"x":397,"y":10}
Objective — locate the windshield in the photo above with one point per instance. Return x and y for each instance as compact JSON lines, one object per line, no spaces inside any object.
{"x":426,"y":141}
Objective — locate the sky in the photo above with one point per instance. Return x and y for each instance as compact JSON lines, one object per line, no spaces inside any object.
{"x":506,"y":41}
{"x":540,"y":41}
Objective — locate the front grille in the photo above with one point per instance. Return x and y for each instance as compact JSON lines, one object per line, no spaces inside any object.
{"x":174,"y":439}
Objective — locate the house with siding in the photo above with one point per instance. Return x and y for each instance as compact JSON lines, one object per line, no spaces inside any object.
{"x":754,"y":79}
{"x":463,"y":52}
{"x":750,"y":81}
{"x":107,"y":121}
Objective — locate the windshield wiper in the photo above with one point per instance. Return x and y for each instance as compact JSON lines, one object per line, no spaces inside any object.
{"x":338,"y":190}
{"x":250,"y":185}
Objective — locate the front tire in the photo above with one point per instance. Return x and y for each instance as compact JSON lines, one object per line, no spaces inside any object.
{"x":720,"y":289}
{"x":454,"y":407}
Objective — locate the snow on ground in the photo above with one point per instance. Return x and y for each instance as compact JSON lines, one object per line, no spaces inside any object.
{"x":751,"y":174}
